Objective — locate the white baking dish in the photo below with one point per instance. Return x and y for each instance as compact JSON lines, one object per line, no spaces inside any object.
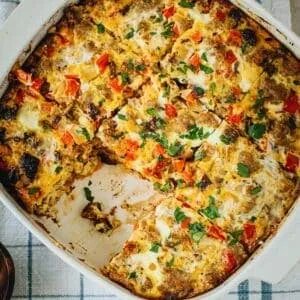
{"x":75,"y":241}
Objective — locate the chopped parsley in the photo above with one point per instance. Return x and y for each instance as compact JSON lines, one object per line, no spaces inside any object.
{"x":174,"y":149}
{"x":259,"y":100}
{"x":230,"y":99}
{"x":88,"y":194}
{"x":170,"y":263}
{"x":155,"y":247}
{"x":244,"y":47}
{"x":155,"y":136}
{"x":196,"y":230}
{"x":243,"y":170}
{"x":101,"y":101}
{"x":256,"y":190}
{"x":195,"y":133}
{"x":90,"y":183}
{"x":129,"y":35}
{"x":186,"y":4}
{"x":179,"y":215}
{"x":184,"y":67}
{"x":140,"y":67}
{"x":85,"y":133}
{"x":168,"y":30}
{"x":199,"y":91}
{"x":159,"y":122}
{"x":180,"y":183}
{"x":152,"y":112}
{"x":258,"y":106}
{"x":157,"y":186}
{"x":132,"y":275}
{"x":167,"y":187}
{"x":199,"y":155}
{"x":130,"y":64}
{"x":33,"y":190}
{"x":166,"y":90}
{"x":58,"y":169}
{"x":213,"y":87}
{"x":211,"y":211}
{"x":100,"y":28}
{"x":125,"y":78}
{"x":204,"y":57}
{"x":122,"y":117}
{"x":234,"y":236}
{"x":206,"y":69}
{"x":256,"y":131}
{"x":158,"y":19}
{"x":226,"y":139}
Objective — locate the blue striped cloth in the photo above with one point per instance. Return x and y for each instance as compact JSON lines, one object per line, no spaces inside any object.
{"x":40,"y":274}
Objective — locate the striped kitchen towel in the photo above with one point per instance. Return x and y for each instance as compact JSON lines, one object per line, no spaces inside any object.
{"x":42,"y":275}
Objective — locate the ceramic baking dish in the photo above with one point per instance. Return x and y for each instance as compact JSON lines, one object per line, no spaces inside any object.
{"x":74,"y":240}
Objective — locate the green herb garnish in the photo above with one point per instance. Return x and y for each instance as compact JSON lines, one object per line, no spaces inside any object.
{"x":167,"y":187}
{"x":235,"y":236}
{"x":129,"y":34}
{"x":174,"y":149}
{"x":140,"y":67}
{"x":33,"y":190}
{"x":170,"y":263}
{"x":186,"y":4}
{"x":206,"y":69}
{"x":88,"y":194}
{"x":168,"y":30}
{"x":130,"y":64}
{"x":256,"y":190}
{"x":85,"y":133}
{"x":155,"y":247}
{"x":226,"y":139}
{"x":180,"y":183}
{"x":166,"y":90}
{"x":155,"y":136}
{"x":196,"y":230}
{"x":213,"y":87}
{"x":199,"y":90}
{"x":256,"y":131}
{"x":195,"y":133}
{"x":100,"y":28}
{"x":125,"y":78}
{"x":132,"y":275}
{"x":58,"y":169}
{"x":199,"y":155}
{"x":211,"y":211}
{"x":204,"y":57}
{"x":122,"y":117}
{"x":159,"y":18}
{"x":152,"y":112}
{"x":179,"y":215}
{"x":243,"y":170}
{"x":184,"y":67}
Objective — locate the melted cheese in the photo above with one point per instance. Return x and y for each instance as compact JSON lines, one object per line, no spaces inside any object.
{"x":163,"y":229}
{"x":197,"y":16}
{"x":29,"y":117}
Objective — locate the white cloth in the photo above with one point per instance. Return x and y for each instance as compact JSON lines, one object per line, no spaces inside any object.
{"x":40,"y":274}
